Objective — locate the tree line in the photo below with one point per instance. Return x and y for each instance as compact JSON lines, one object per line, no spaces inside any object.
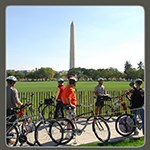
{"x":111,"y":73}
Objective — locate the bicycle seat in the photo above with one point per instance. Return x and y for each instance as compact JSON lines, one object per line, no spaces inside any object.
{"x":48,"y":101}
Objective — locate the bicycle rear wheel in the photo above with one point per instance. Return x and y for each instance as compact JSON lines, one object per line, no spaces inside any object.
{"x":48,"y":112}
{"x":47,"y":132}
{"x":101,"y":129}
{"x":125,"y":125}
{"x":12,"y":136}
{"x":106,"y":112}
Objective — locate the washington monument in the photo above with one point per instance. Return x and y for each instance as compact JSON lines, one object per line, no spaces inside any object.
{"x":72,"y":47}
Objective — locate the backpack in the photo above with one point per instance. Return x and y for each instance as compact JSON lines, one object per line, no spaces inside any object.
{"x":137,"y":100}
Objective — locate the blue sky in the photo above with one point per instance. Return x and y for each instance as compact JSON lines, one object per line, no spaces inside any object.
{"x":105,"y":36}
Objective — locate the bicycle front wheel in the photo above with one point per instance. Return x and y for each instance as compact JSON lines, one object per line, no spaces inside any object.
{"x":48,"y":131}
{"x":125,"y":125}
{"x":56,"y":131}
{"x":12,"y":136}
{"x":101,"y":129}
{"x":28,"y":131}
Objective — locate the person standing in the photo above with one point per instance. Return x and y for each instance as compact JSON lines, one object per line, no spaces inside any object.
{"x":59,"y":104}
{"x":99,"y":92}
{"x":12,"y":101}
{"x":137,"y":102}
{"x":12,"y":95}
{"x":69,"y":98}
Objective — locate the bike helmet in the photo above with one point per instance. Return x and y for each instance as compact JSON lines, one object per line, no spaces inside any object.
{"x":72,"y":80}
{"x":139,"y":81}
{"x":60,"y":80}
{"x":131,"y":83}
{"x":100,"y":79}
{"x":11,"y":78}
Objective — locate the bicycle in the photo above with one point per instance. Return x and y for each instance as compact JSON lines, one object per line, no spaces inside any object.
{"x":99,"y":125}
{"x":125,"y":124}
{"x":18,"y":130}
{"x":53,"y":129}
{"x":108,"y":111}
{"x":24,"y":132}
{"x":49,"y":128}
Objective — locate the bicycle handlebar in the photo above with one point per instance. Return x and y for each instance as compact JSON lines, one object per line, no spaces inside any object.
{"x":119,"y":96}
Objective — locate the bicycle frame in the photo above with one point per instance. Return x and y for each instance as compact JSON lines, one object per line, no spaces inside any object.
{"x":76,"y":117}
{"x":116,"y":104}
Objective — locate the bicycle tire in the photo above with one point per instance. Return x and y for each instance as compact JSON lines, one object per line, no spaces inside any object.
{"x":106,"y":112}
{"x":64,"y":123}
{"x":29,"y":133}
{"x":55,"y":130}
{"x":12,"y":133}
{"x":48,"y":111}
{"x":101,"y":129}
{"x":43,"y":133}
{"x":122,"y":125}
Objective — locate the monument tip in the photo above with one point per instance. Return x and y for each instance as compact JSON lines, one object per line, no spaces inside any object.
{"x":72,"y":22}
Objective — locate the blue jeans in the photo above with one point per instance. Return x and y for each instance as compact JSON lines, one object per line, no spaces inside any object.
{"x":142,"y":117}
{"x":135,"y":113}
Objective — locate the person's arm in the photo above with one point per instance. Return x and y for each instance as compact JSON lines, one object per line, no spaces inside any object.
{"x":142,"y":92}
{"x":16,"y":98}
{"x":127,"y":93}
{"x":105,"y":92}
{"x":58,"y":91}
{"x":95,"y":91}
{"x":19,"y":103}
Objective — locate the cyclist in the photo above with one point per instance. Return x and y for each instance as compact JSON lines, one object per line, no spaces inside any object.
{"x":12,"y":94}
{"x":12,"y":99}
{"x":137,"y":101}
{"x":59,"y":104}
{"x":100,"y":93}
{"x":69,"y":98}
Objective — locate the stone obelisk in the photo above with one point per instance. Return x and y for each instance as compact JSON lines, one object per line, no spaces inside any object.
{"x":72,"y":46}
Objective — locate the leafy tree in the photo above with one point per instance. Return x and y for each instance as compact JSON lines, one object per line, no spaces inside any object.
{"x":140,"y":71}
{"x":46,"y":73}
{"x":132,"y":73}
{"x":57,"y":75}
{"x":140,"y":65}
{"x":127,"y":66}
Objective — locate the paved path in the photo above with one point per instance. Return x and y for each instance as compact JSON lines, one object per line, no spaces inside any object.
{"x":89,"y":137}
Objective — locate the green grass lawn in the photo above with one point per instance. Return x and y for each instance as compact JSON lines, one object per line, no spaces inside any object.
{"x":81,"y":86}
{"x":129,"y":142}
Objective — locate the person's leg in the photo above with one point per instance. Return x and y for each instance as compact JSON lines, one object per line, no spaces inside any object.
{"x":135,"y":112}
{"x":56,"y":110}
{"x":97,"y":109}
{"x":142,"y":117}
{"x":101,"y":104}
{"x":68,"y":116}
{"x":62,"y":109}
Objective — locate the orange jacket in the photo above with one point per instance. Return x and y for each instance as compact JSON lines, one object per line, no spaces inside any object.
{"x":69,"y":92}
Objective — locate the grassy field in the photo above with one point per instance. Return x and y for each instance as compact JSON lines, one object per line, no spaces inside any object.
{"x":138,"y":142}
{"x":81,"y":86}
